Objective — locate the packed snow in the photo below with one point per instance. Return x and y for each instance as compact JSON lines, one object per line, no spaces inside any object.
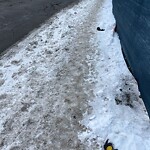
{"x":66,"y":86}
{"x":125,"y":124}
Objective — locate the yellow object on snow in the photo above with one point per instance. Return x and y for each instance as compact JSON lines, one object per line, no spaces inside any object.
{"x":109,"y":148}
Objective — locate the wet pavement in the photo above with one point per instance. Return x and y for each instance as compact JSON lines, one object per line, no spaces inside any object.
{"x":19,"y":17}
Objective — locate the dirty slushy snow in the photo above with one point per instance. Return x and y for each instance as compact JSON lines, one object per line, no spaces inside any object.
{"x":66,"y":86}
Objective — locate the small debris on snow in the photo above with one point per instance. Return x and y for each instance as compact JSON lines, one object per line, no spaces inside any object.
{"x":99,"y":29}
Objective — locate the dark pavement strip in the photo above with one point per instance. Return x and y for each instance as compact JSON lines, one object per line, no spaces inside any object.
{"x":19,"y":17}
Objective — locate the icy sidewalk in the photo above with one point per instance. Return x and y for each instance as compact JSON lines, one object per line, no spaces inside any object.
{"x":47,"y":81}
{"x":59,"y":88}
{"x":118,"y":112}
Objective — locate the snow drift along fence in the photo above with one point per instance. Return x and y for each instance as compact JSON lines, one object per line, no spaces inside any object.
{"x":133,"y":27}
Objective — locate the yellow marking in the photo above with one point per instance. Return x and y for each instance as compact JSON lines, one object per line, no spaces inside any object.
{"x":109,"y":148}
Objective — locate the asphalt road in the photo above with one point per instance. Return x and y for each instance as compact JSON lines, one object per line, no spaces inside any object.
{"x":19,"y":17}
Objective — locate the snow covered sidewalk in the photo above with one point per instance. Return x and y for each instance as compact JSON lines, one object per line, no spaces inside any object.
{"x":118,"y":112}
{"x":59,"y":87}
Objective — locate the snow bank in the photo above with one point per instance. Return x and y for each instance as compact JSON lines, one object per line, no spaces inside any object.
{"x":118,"y":112}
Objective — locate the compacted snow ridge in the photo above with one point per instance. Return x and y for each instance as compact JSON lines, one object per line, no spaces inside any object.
{"x":66,"y":87}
